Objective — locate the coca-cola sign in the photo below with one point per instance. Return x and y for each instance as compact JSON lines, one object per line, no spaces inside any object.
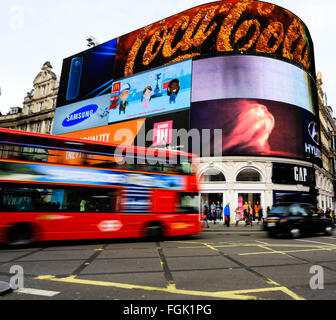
{"x":217,"y":28}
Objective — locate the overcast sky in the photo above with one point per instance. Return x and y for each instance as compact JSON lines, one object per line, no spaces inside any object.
{"x":35,"y":31}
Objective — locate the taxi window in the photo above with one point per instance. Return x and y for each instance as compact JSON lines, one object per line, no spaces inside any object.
{"x":298,"y":210}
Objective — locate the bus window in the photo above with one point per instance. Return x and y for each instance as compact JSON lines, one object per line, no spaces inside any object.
{"x":36,"y":199}
{"x":188,"y":202}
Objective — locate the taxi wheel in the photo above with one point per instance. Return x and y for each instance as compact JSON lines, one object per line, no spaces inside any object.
{"x":328,"y":230}
{"x":295,"y":233}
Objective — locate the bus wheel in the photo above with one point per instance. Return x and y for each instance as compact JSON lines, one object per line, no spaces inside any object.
{"x":20,"y":234}
{"x":154,"y":231}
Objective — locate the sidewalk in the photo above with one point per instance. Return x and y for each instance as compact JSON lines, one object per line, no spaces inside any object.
{"x":220,"y":227}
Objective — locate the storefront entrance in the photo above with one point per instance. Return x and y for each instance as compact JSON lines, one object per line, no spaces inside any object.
{"x":250,"y":198}
{"x":214,"y":199}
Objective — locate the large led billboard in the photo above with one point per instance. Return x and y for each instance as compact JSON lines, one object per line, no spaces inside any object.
{"x":153,"y":92}
{"x":253,"y":77}
{"x":255,"y":127}
{"x":217,"y":28}
{"x":242,"y":67}
{"x":88,"y":74}
{"x":82,"y":115}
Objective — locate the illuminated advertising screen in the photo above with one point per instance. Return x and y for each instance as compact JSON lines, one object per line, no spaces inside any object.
{"x":217,"y":28}
{"x":82,"y":115}
{"x":88,"y":74}
{"x":253,"y":127}
{"x":164,"y":131}
{"x":157,"y":91}
{"x":253,"y":77}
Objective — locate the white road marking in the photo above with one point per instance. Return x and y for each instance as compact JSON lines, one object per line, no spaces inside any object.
{"x":37,"y":292}
{"x":263,"y":242}
{"x":324,"y":243}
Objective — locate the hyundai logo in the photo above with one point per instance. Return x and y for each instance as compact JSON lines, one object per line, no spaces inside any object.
{"x":80,"y":115}
{"x":312,"y":130}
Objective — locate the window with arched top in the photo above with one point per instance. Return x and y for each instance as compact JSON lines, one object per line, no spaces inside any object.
{"x":249,"y":174}
{"x":212,"y":176}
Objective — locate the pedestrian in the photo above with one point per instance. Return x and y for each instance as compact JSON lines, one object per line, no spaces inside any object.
{"x":257,"y":211}
{"x":218,"y":211}
{"x":238,"y":216}
{"x":222,"y":208}
{"x":206,"y":213}
{"x":213,"y":212}
{"x":261,"y":215}
{"x":245,"y":211}
{"x":250,"y":211}
{"x":227,"y":215}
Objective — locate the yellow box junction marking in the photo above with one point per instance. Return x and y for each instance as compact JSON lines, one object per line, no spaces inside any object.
{"x":247,"y":294}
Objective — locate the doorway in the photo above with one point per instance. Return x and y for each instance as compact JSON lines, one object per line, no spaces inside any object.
{"x":253,"y":198}
{"x":212,"y":198}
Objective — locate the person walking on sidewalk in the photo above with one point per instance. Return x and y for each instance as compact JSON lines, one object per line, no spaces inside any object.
{"x":213,"y":212}
{"x":227,"y":215}
{"x":238,"y":216}
{"x":206,"y":213}
{"x":257,"y":211}
{"x":250,"y":211}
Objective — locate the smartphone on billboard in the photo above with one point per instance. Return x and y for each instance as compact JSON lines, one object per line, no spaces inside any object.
{"x":74,"y":78}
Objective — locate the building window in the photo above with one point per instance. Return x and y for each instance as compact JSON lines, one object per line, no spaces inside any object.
{"x":49,"y":126}
{"x":38,"y":127}
{"x":248,"y":175}
{"x":212,"y":176}
{"x":41,"y":106}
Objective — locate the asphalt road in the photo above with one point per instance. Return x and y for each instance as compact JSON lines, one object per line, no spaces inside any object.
{"x":234,"y":264}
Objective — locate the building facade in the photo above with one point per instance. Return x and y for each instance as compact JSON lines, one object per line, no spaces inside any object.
{"x":325,"y":175}
{"x":37,"y":112}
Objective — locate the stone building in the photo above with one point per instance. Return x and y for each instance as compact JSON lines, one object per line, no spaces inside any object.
{"x":325,"y":176}
{"x":37,"y":113}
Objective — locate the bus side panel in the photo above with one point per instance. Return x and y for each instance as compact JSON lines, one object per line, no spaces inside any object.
{"x":164,"y":201}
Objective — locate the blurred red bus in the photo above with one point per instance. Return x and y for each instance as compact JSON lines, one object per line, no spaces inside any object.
{"x":60,"y":188}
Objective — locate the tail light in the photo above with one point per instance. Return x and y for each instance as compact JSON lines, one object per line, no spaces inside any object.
{"x":283,"y":220}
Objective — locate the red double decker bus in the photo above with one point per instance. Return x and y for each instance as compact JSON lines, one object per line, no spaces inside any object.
{"x":60,"y":188}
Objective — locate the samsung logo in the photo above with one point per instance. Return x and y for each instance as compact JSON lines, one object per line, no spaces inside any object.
{"x":80,"y":115}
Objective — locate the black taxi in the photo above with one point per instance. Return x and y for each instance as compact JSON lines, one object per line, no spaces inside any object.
{"x":296,"y":219}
